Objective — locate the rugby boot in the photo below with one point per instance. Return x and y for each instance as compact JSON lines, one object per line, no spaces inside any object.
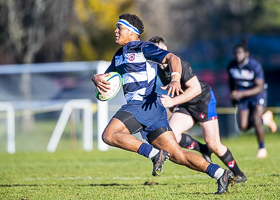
{"x":158,"y":161}
{"x":224,"y":181}
{"x":240,"y":179}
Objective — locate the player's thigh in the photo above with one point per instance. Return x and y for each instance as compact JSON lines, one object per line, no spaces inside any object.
{"x":180,"y":122}
{"x":210,"y":131}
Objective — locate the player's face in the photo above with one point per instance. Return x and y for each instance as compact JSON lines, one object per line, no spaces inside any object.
{"x":240,"y":55}
{"x":122,"y":35}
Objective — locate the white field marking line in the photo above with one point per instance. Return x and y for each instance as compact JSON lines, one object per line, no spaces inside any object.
{"x":110,"y":178}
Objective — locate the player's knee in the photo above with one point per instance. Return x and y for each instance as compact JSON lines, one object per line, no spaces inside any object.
{"x":243,"y":127}
{"x":107,"y":138}
{"x":212,"y":145}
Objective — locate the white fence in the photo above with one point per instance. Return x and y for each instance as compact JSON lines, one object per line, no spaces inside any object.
{"x":12,"y":105}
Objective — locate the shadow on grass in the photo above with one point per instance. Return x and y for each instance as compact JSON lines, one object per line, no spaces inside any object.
{"x":85,"y":185}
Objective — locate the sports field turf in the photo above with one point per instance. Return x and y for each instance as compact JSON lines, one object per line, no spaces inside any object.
{"x":118,"y":174}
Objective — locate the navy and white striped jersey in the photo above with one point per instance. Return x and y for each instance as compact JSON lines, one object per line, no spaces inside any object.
{"x":243,"y":77}
{"x":137,"y":63}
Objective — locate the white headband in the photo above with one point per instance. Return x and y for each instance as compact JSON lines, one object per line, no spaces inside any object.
{"x":128,"y":26}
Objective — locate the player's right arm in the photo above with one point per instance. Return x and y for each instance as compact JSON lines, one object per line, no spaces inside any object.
{"x":100,"y":83}
{"x":99,"y":79}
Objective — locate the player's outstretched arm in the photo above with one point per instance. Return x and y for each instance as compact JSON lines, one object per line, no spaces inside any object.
{"x":100,"y":83}
{"x":174,"y":62}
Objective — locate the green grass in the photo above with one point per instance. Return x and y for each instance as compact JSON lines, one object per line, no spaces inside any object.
{"x":118,"y":174}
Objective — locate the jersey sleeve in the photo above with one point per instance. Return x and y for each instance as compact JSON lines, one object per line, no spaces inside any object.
{"x":259,"y":74}
{"x":112,"y":67}
{"x":153,"y":53}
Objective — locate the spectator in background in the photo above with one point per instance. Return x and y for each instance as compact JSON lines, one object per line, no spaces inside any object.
{"x":248,"y":92}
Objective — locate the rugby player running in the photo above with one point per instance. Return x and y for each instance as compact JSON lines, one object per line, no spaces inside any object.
{"x":248,"y":93}
{"x":196,"y":104}
{"x":137,"y":62}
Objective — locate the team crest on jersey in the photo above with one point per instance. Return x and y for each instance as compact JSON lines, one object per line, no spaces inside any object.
{"x":191,"y":146}
{"x":131,"y":56}
{"x":231,"y":164}
{"x":201,"y":116}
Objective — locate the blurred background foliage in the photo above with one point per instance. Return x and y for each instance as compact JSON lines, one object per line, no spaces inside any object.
{"x":203,"y":32}
{"x":74,"y":30}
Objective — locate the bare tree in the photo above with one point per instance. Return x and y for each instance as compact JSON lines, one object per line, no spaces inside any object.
{"x":31,"y":25}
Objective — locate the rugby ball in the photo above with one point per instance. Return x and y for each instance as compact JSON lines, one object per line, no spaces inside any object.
{"x":115,"y":81}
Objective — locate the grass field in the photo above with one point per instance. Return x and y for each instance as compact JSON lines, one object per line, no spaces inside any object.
{"x":118,"y":174}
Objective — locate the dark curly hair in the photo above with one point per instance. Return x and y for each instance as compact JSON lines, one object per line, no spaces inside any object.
{"x":156,"y":39}
{"x":243,"y":44}
{"x":134,"y":21}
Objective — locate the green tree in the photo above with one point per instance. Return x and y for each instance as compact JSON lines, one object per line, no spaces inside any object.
{"x":91,"y":35}
{"x":268,"y":20}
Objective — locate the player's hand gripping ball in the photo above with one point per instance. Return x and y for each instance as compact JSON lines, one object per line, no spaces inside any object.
{"x":115,"y":81}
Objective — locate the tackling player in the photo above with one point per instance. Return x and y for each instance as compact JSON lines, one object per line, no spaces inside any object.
{"x":196,"y":104}
{"x":248,"y":92}
{"x":137,"y":62}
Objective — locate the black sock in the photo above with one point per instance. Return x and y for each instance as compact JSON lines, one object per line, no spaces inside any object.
{"x":192,"y":144}
{"x":229,"y":161}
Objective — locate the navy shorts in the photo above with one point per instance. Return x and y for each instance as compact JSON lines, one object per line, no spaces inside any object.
{"x":201,"y":111}
{"x":251,"y":102}
{"x":148,"y":117}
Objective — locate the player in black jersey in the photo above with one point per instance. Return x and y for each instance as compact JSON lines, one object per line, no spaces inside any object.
{"x":248,"y":92}
{"x":196,"y":104}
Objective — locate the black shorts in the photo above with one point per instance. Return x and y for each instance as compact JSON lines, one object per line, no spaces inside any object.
{"x":201,"y":111}
{"x":134,"y":126}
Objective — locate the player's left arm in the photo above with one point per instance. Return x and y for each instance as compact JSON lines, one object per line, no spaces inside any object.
{"x":174,"y":62}
{"x":193,"y":89}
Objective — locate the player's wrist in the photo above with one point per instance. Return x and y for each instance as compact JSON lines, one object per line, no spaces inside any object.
{"x":175,"y":77}
{"x":176,"y":74}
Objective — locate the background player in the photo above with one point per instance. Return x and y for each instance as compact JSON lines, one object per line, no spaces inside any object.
{"x":248,"y":92}
{"x":196,"y":104}
{"x":137,"y":62}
